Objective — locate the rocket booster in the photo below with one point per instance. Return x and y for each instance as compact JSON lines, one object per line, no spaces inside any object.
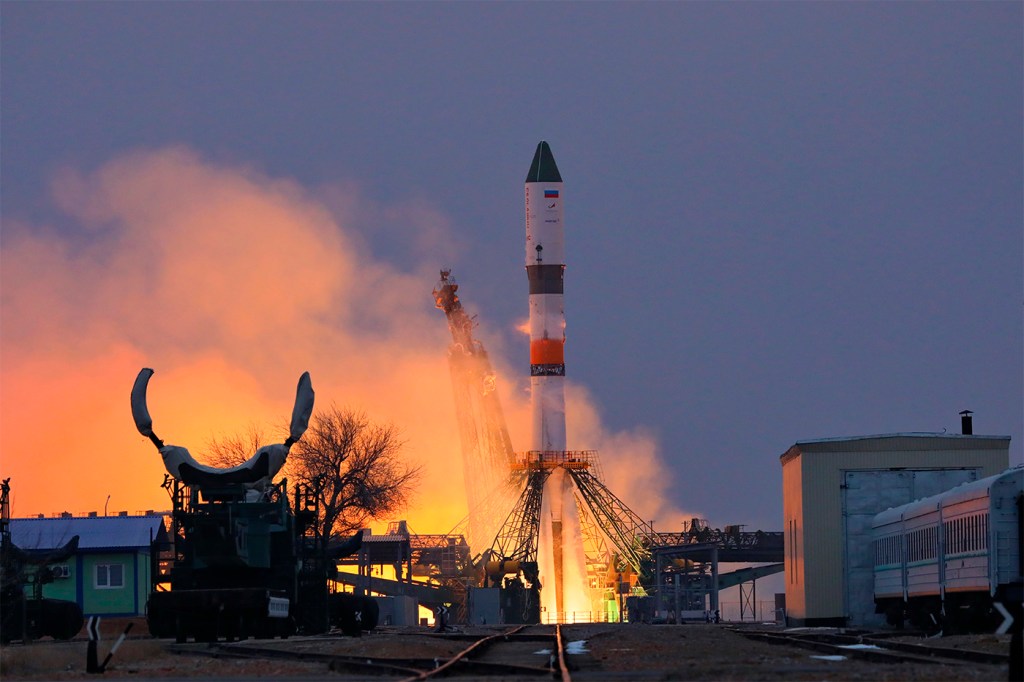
{"x":545,"y":269}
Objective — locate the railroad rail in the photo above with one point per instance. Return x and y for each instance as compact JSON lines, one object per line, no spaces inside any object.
{"x":876,"y":647}
{"x":511,"y":652}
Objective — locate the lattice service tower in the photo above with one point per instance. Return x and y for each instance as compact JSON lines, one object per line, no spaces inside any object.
{"x":486,"y":447}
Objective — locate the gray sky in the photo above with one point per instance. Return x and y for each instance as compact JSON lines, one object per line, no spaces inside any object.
{"x":785,"y":221}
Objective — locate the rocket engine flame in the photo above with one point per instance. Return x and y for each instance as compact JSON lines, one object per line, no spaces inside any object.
{"x":560,"y":557}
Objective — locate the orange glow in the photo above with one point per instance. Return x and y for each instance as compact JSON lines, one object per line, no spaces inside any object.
{"x":230,"y":284}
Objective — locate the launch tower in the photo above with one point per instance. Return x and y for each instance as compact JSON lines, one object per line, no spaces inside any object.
{"x":486,"y":447}
{"x":558,"y":533}
{"x":555,"y":524}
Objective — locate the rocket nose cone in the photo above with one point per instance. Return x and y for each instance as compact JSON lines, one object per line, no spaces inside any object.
{"x":543,"y":168}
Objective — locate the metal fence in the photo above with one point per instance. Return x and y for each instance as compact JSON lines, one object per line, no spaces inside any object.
{"x":750,"y":612}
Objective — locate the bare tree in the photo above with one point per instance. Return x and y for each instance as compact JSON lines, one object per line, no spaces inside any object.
{"x":351,"y":464}
{"x":229,"y":451}
{"x":354,"y":467}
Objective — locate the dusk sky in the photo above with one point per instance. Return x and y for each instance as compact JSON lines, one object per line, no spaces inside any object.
{"x":784,"y":221}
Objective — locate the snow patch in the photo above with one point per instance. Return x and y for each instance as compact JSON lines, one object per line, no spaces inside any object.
{"x":577,"y":647}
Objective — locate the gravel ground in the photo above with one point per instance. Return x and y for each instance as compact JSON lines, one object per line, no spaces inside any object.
{"x":613,"y":652}
{"x":709,"y":652}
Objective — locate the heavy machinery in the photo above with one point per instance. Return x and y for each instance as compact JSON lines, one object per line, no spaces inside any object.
{"x":23,"y":616}
{"x":247,"y":561}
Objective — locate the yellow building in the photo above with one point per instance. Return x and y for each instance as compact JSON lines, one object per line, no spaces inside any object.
{"x":832,"y":488}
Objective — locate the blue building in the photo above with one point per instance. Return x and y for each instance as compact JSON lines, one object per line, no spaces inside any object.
{"x":110,"y":575}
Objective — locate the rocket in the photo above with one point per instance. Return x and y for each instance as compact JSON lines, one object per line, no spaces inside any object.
{"x":560,"y":557}
{"x":545,"y":269}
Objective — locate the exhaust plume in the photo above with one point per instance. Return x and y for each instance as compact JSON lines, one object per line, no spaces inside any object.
{"x":232,"y":283}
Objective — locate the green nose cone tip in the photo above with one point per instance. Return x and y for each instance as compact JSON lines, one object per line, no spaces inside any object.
{"x":543,"y":168}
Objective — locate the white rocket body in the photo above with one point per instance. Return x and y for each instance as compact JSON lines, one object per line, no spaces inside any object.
{"x":545,"y":266}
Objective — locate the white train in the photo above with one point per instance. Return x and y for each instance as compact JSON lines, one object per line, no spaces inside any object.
{"x":943,"y":560}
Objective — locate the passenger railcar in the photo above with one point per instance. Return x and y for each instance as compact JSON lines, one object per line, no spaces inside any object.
{"x":943,"y":560}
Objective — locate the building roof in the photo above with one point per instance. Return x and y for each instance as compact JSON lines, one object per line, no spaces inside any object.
{"x":101,"y":532}
{"x":902,"y":441}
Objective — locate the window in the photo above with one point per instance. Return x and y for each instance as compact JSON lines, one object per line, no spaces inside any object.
{"x":887,"y":551}
{"x":110,"y":576}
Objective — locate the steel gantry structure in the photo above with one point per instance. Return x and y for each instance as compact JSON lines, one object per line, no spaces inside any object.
{"x":606,"y":519}
{"x":505,"y":492}
{"x":486,"y":447}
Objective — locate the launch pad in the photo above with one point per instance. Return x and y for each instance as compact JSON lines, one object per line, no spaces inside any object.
{"x":561,"y":546}
{"x":627,"y":560}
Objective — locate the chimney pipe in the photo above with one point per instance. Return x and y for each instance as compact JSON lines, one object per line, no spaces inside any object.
{"x":966,"y":423}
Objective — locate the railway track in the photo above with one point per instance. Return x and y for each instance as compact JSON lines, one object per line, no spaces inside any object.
{"x":523,"y":651}
{"x":877,"y":647}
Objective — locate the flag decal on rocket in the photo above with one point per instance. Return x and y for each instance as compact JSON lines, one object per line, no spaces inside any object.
{"x":551,"y":194}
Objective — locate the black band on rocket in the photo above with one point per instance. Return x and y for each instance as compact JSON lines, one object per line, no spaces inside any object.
{"x":545,"y":279}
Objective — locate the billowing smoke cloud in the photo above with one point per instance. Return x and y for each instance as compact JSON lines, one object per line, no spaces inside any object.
{"x":230,"y":284}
